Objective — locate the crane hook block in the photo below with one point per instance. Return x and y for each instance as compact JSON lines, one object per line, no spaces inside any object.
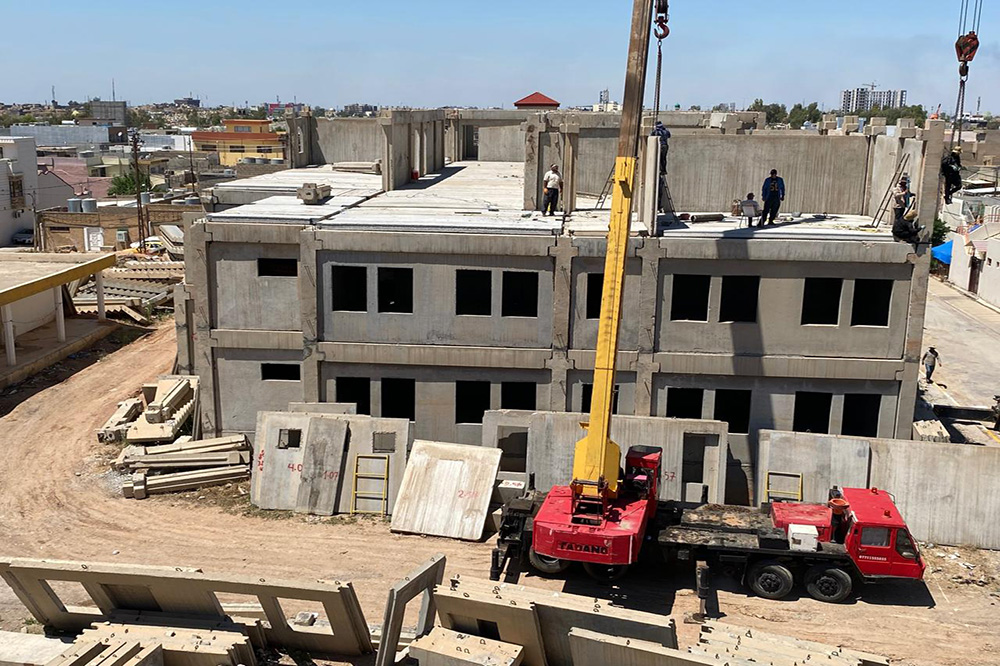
{"x":661,"y":30}
{"x":966,"y":47}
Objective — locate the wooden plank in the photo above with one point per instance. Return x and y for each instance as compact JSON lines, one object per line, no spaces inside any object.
{"x":446,"y":490}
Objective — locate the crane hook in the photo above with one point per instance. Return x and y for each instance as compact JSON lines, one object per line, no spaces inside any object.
{"x":661,"y":30}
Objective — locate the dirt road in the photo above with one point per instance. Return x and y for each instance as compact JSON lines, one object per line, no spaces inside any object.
{"x":56,"y":501}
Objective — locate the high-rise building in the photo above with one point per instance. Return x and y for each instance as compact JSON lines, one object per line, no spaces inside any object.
{"x":865,"y":98}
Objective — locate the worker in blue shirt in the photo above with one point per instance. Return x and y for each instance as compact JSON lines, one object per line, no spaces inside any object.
{"x":773,"y":193}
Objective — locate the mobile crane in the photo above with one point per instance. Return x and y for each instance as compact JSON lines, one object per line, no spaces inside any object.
{"x":606,"y":516}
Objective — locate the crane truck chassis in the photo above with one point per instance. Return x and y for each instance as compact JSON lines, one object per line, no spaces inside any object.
{"x":857,"y":537}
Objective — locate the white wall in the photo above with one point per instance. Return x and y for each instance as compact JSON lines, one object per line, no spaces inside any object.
{"x":20,"y":157}
{"x":989,"y":280}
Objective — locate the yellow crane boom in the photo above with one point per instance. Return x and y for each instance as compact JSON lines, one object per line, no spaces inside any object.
{"x":596,"y":458}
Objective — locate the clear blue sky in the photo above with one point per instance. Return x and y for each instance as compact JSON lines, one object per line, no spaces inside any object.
{"x":485,"y":52}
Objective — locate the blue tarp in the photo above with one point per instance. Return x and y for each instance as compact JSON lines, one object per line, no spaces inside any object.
{"x":942,"y":252}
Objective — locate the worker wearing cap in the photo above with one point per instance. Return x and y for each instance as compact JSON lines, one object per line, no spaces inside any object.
{"x":552,"y":183}
{"x":930,"y":362}
{"x":951,"y":169}
{"x":902,"y":201}
{"x":773,"y":193}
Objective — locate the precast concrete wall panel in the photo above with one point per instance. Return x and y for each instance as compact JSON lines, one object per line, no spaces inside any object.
{"x":241,"y":392}
{"x":446,"y":490}
{"x":823,"y":461}
{"x":433,"y":319}
{"x":947,"y":493}
{"x":347,"y":140}
{"x":779,"y":328}
{"x":246,"y":299}
{"x":583,"y":334}
{"x":502,"y":143}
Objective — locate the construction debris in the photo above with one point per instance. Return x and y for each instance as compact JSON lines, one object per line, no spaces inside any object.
{"x":111,"y":653}
{"x":173,"y":402}
{"x":141,"y":486}
{"x":116,"y":427}
{"x":446,"y":490}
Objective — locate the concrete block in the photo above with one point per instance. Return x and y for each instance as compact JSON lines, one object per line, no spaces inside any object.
{"x":515,"y":620}
{"x":446,"y":490}
{"x":443,"y":647}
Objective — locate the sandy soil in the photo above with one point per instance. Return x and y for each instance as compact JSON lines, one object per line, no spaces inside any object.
{"x":57,"y":501}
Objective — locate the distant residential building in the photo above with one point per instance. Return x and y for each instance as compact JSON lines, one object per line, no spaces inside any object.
{"x":537,"y":100}
{"x":18,"y":185}
{"x":274,"y":110}
{"x":188,"y":101}
{"x":114,"y":111}
{"x":242,"y":138}
{"x":359,"y":110}
{"x":77,"y":136}
{"x":863,"y":99}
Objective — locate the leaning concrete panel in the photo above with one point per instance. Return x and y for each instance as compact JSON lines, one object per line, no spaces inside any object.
{"x":947,"y":493}
{"x":446,"y":490}
{"x":592,"y":648}
{"x":443,"y":647}
{"x":419,"y":582}
{"x":688,"y":444}
{"x":823,"y":461}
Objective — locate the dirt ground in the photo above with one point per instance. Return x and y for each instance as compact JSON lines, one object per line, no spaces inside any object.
{"x":57,"y":501}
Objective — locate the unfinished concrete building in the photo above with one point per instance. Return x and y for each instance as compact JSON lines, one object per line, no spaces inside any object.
{"x":439,"y":299}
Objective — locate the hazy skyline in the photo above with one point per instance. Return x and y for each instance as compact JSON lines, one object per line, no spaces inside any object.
{"x":448,"y":52}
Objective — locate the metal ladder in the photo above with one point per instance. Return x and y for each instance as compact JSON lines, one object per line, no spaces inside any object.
{"x":770,"y":492}
{"x":383,"y":496}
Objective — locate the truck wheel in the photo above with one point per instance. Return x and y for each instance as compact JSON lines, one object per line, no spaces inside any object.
{"x":770,"y":579}
{"x":826,"y":583}
{"x":605,"y":572}
{"x":546,"y":564}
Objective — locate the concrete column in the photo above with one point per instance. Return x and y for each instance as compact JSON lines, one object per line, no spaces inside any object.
{"x":453,"y":143}
{"x":60,"y":316}
{"x":8,"y":334}
{"x":570,"y":132}
{"x":102,"y":312}
{"x":933,"y":137}
{"x":650,"y":183}
{"x":533,"y":129}
{"x":562,"y":290}
{"x":388,"y":168}
{"x":649,"y":253}
{"x":196,"y":242}
{"x":559,"y":366}
{"x":312,"y":358}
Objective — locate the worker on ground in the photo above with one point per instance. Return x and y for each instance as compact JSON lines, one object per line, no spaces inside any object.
{"x":951,"y":169}
{"x":930,"y":362}
{"x":751,"y":208}
{"x":660,"y":130}
{"x":773,"y":193}
{"x":552,"y":183}
{"x":903,"y":229}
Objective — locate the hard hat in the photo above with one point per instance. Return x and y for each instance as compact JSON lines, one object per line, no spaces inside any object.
{"x":956,"y":149}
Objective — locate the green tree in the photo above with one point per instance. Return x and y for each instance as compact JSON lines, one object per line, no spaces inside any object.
{"x":917,"y":112}
{"x":775,"y":113}
{"x":124,"y":184}
{"x":799,"y":115}
{"x":940,"y":234}
{"x":694,"y":107}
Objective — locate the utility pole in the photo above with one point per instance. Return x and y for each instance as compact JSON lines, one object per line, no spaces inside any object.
{"x":136,"y":141}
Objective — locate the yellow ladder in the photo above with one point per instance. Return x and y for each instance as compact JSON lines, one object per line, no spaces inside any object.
{"x":770,"y":492}
{"x":383,"y":496}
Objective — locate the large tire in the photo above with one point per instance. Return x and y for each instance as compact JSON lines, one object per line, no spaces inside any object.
{"x":605,"y":573}
{"x":547,"y":565}
{"x":828,"y":583}
{"x":770,"y":579}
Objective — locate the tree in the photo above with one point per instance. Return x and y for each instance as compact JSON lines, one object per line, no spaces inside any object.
{"x":775,"y":113}
{"x":720,"y":107}
{"x":694,"y":107}
{"x":917,"y":112}
{"x":941,"y":231}
{"x":799,"y":115}
{"x":124,"y":184}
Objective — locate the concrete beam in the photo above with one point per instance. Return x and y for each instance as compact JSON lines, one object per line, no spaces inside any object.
{"x":57,"y":299}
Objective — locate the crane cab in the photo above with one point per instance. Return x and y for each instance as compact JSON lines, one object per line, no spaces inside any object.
{"x":877,"y":539}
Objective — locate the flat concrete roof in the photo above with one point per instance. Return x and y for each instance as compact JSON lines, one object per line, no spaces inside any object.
{"x":484,"y":198}
{"x":24,"y":274}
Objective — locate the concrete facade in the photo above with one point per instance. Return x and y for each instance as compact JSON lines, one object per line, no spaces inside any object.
{"x":18,"y":185}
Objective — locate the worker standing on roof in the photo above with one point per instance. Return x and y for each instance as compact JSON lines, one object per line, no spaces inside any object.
{"x":660,"y":130}
{"x":951,"y":169}
{"x":552,"y":183}
{"x":773,"y":193}
{"x":903,"y":229}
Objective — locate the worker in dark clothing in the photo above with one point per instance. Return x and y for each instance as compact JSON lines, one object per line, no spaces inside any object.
{"x":951,"y":169}
{"x":902,"y":202}
{"x":661,"y":131}
{"x":773,"y":193}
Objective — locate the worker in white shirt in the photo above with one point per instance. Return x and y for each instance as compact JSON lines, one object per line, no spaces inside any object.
{"x":552,"y":183}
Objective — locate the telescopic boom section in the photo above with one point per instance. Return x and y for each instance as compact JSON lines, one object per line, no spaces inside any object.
{"x":596,"y":458}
